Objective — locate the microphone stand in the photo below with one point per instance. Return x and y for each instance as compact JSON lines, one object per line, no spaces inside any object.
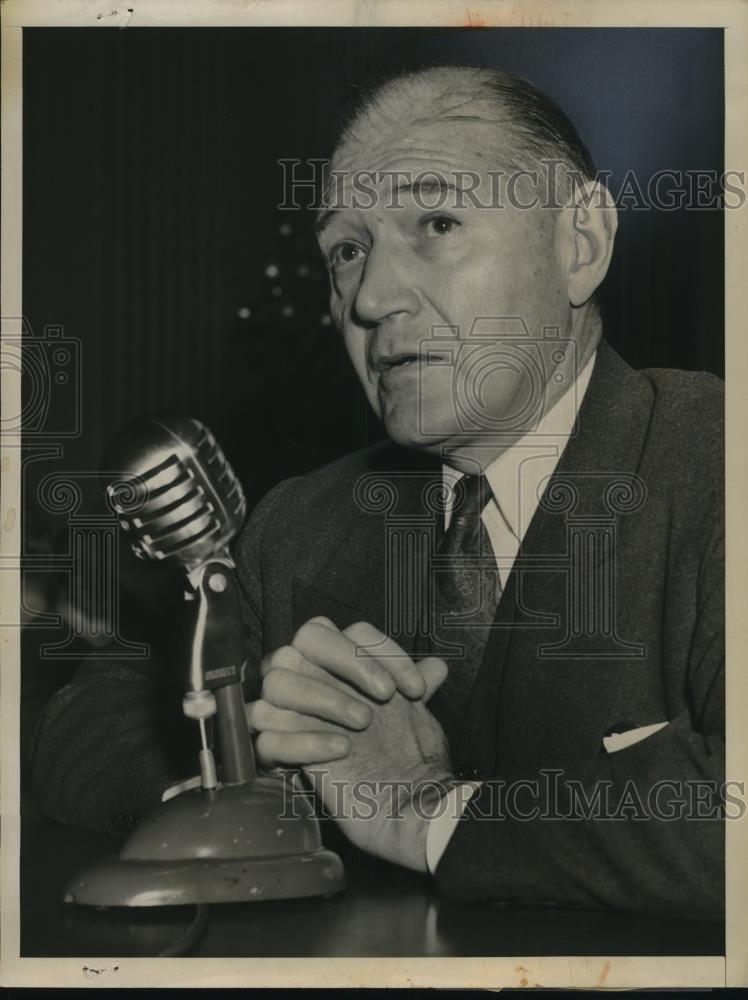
{"x":217,"y":671}
{"x":236,"y":837}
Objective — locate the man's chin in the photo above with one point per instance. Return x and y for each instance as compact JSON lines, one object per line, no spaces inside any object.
{"x":409,"y":436}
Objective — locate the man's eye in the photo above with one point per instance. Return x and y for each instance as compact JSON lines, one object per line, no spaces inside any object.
{"x":439,"y":225}
{"x":345,"y":253}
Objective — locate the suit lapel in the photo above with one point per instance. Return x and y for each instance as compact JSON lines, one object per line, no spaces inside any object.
{"x":377,"y":570}
{"x":605,"y":447}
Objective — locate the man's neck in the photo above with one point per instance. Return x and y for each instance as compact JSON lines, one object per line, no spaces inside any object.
{"x":559,"y":409}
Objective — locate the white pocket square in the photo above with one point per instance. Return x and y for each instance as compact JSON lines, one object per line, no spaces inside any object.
{"x":619,"y":741}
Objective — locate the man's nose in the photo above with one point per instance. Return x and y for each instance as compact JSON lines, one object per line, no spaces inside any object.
{"x":386,"y":287}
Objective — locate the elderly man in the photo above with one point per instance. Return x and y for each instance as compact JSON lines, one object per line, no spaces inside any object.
{"x":494,"y":644}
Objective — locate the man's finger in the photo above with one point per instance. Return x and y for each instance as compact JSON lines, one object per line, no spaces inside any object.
{"x":336,"y":653}
{"x":322,"y":620}
{"x":372,"y":642}
{"x":288,"y":690}
{"x":275,"y":749}
{"x":434,"y":672}
{"x":289,"y":658}
{"x":261,"y":715}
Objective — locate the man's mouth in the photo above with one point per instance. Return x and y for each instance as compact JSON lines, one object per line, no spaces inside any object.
{"x":389,"y":362}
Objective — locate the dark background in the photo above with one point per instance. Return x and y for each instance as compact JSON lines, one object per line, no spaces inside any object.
{"x":150,"y":191}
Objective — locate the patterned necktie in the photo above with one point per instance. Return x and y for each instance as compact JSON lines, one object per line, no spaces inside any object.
{"x":466,"y":593}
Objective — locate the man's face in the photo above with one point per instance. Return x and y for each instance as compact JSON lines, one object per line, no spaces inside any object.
{"x":425,"y":296}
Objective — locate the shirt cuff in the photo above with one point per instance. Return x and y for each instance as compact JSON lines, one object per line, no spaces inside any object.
{"x":442,"y":826}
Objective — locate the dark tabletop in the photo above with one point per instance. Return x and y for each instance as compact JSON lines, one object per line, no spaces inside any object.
{"x":386,"y":911}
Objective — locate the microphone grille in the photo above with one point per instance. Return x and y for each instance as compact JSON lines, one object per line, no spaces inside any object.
{"x":174,"y":490}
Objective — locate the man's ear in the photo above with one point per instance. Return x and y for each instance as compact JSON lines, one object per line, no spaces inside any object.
{"x":590,"y":225}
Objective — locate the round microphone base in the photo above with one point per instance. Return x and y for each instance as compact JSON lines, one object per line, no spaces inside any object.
{"x":178,"y":883}
{"x":237,"y":843}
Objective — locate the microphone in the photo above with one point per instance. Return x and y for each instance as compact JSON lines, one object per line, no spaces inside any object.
{"x":175,"y":492}
{"x":176,"y":495}
{"x":214,"y":838}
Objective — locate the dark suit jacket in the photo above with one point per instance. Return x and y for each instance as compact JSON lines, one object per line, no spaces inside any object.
{"x":630,"y":529}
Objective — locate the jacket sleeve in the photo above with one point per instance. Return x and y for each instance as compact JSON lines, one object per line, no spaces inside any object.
{"x":638,"y":829}
{"x":112,"y":740}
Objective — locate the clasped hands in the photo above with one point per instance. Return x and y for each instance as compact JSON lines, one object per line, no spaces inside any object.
{"x":349,"y":708}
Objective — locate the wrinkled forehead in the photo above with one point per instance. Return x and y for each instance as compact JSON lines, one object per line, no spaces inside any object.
{"x":380,"y":152}
{"x":376,"y":140}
